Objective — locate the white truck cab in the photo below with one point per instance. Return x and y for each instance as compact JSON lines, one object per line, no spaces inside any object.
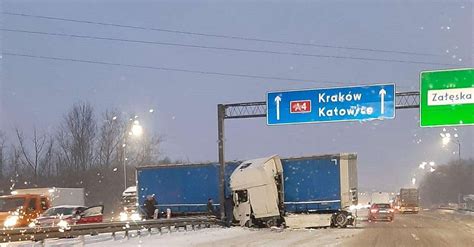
{"x":256,"y":194}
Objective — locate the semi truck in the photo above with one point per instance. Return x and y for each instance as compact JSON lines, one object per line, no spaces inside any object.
{"x":325,"y":185}
{"x":409,"y":200}
{"x":130,"y":205}
{"x":23,"y":206}
{"x":303,"y":192}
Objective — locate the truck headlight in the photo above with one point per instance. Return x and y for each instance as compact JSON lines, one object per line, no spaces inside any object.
{"x":11,"y":221}
{"x":123,"y":216}
{"x":135,"y":217}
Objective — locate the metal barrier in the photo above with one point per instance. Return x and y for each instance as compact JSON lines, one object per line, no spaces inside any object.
{"x":42,"y":233}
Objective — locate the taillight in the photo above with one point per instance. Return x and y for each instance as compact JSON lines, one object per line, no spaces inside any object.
{"x":374,"y":210}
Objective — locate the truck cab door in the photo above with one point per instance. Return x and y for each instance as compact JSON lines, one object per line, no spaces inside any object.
{"x":32,"y":211}
{"x":242,"y":209}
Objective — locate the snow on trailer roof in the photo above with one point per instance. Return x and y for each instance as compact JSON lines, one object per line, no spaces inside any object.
{"x":319,"y":156}
{"x":177,"y":165}
{"x":40,"y":191}
{"x":322,"y":156}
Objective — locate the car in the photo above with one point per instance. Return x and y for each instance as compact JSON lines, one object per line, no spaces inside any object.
{"x":67,"y":215}
{"x":381,"y":211}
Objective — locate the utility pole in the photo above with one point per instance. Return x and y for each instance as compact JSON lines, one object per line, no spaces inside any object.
{"x":220,"y":135}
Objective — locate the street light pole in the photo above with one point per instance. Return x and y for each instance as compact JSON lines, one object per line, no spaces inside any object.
{"x":124,"y":152}
{"x":124,"y":145}
{"x":446,"y":139}
{"x":133,"y":129}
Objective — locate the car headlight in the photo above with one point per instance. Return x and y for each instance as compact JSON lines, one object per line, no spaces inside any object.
{"x":11,"y":221}
{"x":63,"y":225}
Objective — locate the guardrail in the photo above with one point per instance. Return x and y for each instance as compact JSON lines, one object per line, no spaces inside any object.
{"x":42,"y":233}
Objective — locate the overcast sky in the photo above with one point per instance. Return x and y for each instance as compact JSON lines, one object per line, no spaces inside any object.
{"x":37,"y":92}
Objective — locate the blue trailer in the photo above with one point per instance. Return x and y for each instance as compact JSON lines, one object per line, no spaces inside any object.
{"x":183,"y":188}
{"x":325,"y":183}
{"x":320,"y":183}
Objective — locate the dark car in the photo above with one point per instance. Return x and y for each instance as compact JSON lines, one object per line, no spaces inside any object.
{"x":381,"y":211}
{"x":70,"y":215}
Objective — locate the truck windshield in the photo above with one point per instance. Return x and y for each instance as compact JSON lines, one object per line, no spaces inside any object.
{"x":10,"y":204}
{"x":129,"y":199}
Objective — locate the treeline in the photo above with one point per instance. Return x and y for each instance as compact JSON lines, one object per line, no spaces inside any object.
{"x":448,"y":183}
{"x":85,"y":150}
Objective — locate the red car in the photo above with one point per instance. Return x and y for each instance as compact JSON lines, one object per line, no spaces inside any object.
{"x":64,"y":216}
{"x":381,"y":211}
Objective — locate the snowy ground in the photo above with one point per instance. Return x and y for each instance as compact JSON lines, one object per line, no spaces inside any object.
{"x":235,"y":236}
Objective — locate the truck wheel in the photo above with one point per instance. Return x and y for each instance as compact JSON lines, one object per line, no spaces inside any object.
{"x":270,"y":223}
{"x":341,"y":220}
{"x":248,"y":223}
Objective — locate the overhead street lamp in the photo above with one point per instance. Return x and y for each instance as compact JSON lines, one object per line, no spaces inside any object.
{"x":447,"y":138}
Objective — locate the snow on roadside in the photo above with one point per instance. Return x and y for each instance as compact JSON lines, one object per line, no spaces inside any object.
{"x":235,"y":236}
{"x":238,"y":236}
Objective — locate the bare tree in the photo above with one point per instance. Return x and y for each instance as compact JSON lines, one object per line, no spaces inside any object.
{"x":38,"y":157}
{"x":76,"y":138}
{"x":144,"y":151}
{"x":448,"y":183}
{"x":13,"y":169}
{"x":111,"y":134}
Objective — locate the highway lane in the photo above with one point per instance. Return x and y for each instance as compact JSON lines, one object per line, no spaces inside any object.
{"x":429,"y":228}
{"x":434,"y":228}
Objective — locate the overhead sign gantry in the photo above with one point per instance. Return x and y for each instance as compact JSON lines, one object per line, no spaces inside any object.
{"x":403,"y":100}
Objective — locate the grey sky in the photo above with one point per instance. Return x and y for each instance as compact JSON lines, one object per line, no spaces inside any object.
{"x":38,"y":92}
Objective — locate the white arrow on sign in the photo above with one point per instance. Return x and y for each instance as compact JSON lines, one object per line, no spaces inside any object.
{"x":277,"y":101}
{"x":382,"y":93}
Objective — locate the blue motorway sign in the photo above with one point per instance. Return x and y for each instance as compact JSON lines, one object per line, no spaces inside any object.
{"x":357,"y":103}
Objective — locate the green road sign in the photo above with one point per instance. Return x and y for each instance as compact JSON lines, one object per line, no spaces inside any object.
{"x":447,"y":97}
